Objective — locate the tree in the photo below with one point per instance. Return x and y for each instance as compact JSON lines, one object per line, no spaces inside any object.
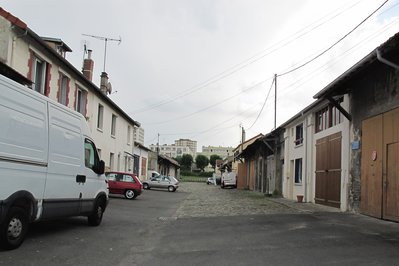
{"x":201,"y":161}
{"x":186,"y":161}
{"x":213,"y":159}
{"x":178,"y":159}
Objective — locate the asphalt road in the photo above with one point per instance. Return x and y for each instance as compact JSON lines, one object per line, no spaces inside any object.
{"x":163,"y":228}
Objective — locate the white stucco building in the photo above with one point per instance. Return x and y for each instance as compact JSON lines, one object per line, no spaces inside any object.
{"x":43,"y":62}
{"x":316,"y":155}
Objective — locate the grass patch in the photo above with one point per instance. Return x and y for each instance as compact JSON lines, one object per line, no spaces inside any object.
{"x":193,"y":179}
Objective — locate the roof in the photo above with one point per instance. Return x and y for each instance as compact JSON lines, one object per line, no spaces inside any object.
{"x":17,"y":22}
{"x":141,"y":146}
{"x":57,"y":41}
{"x":248,"y":142}
{"x":170,"y":160}
{"x":337,"y":86}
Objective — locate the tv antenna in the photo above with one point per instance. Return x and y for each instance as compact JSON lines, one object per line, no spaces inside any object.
{"x":105,"y":39}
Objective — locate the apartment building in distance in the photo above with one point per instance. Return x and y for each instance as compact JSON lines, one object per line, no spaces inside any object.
{"x":179,"y":148}
{"x":223,"y":152}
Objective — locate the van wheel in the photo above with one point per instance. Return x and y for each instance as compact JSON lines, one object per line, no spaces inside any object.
{"x":14,"y":228}
{"x":130,"y":194}
{"x":96,"y":217}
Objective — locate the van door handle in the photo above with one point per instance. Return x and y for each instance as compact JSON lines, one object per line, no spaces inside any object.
{"x":81,"y":179}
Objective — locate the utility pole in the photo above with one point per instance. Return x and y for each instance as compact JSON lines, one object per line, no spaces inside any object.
{"x":275,"y":101}
{"x":105,"y":39}
{"x":158,"y":145}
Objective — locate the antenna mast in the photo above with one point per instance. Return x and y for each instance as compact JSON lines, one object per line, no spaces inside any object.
{"x":105,"y":39}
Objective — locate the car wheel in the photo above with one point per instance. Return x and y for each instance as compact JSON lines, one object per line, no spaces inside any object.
{"x":14,"y":228}
{"x":171,"y":189}
{"x":96,"y":217}
{"x":130,"y":194}
{"x":146,"y":186}
{"x":222,"y":186}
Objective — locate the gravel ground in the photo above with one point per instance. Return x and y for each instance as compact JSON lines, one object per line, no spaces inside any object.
{"x":209,"y":200}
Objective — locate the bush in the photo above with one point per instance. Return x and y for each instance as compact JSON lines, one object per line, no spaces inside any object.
{"x":205,"y":174}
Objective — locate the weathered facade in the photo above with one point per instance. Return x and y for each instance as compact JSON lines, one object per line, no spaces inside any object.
{"x":373,"y":89}
{"x":263,"y":163}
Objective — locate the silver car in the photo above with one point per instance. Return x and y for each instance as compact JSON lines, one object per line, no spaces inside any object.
{"x":162,"y":181}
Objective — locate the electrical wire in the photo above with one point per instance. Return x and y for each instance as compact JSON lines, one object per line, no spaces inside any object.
{"x":334,"y":44}
{"x":264,"y":103}
{"x":237,"y":67}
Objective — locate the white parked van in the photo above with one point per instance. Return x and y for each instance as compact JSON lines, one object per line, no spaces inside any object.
{"x":228,"y":179}
{"x":152,"y":173}
{"x":49,"y":165}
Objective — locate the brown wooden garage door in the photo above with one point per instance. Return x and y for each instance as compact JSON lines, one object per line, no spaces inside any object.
{"x":328,"y":170}
{"x":380,"y":166}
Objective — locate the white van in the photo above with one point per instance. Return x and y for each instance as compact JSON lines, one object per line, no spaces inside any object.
{"x":228,"y":179}
{"x":49,"y":165}
{"x":152,"y":173}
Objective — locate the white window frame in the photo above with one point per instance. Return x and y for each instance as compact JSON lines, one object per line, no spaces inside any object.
{"x":100,"y":117}
{"x":298,"y":171}
{"x":113,"y":125}
{"x":63,"y":89}
{"x":81,"y":98}
{"x":111,"y":160}
{"x":36,"y":86}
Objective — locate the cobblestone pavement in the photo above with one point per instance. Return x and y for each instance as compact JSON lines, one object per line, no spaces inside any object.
{"x":209,"y":200}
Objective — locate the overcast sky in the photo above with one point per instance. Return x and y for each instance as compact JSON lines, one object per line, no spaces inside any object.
{"x":199,"y":69}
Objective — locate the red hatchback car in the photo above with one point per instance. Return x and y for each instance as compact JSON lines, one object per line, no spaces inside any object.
{"x":126,"y":184}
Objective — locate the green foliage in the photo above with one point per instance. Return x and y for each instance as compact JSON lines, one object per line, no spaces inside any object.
{"x":201,"y":161}
{"x":178,"y":159}
{"x":193,"y":179}
{"x":205,"y":174}
{"x":186,"y":161}
{"x":213,"y":159}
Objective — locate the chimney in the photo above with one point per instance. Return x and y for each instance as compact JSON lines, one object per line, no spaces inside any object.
{"x":104,"y":83}
{"x":88,"y":66}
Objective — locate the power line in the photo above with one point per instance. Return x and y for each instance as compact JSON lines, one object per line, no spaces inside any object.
{"x":329,"y":48}
{"x":237,"y":67}
{"x":264,"y":103}
{"x":213,"y":105}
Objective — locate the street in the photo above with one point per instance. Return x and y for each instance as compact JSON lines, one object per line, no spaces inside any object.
{"x":207,"y":225}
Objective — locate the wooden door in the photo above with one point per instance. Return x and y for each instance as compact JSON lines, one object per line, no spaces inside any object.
{"x":391,"y":166}
{"x":242,"y":178}
{"x":380,"y":166}
{"x":328,"y":170}
{"x":371,"y":167}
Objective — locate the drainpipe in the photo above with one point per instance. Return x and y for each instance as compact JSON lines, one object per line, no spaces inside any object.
{"x":385,"y":61}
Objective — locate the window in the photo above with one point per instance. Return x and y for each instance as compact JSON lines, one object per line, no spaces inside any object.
{"x":81,"y":96}
{"x":298,"y":171}
{"x":91,"y":156}
{"x":129,"y":133}
{"x":39,"y":68}
{"x":328,"y":117}
{"x":99,"y":152}
{"x":113,"y":125}
{"x":111,"y":161}
{"x":128,"y":178}
{"x":299,"y":134}
{"x":100,"y":116}
{"x":63,"y":90}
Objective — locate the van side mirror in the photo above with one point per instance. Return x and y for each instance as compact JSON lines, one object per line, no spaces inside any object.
{"x":100,"y":169}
